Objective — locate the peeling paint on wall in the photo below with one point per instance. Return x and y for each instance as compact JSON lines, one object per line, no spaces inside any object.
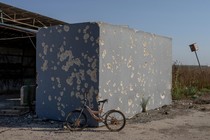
{"x":134,"y":65}
{"x":114,"y":62}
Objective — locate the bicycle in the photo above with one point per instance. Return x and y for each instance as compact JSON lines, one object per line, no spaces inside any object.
{"x":114,"y":120}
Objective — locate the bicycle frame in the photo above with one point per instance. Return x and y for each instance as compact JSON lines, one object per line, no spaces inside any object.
{"x":114,"y":120}
{"x":93,"y":113}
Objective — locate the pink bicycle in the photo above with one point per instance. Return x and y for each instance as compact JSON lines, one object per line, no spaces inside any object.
{"x":114,"y":120}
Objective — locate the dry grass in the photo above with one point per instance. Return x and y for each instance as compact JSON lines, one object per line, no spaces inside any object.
{"x":189,"y":80}
{"x":191,"y":76}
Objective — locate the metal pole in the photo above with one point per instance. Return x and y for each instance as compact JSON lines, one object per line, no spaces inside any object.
{"x":1,"y":16}
{"x":197,"y":59}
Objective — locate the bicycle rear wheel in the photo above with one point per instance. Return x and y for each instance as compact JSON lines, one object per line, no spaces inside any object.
{"x":115,"y":120}
{"x":76,"y":120}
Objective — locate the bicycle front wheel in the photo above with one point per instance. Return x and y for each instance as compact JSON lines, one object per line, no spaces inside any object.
{"x":115,"y":120}
{"x":76,"y":120}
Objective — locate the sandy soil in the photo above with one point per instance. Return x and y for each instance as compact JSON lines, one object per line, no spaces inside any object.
{"x":183,"y":120}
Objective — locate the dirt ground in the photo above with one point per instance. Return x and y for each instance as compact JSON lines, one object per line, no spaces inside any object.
{"x":183,"y":120}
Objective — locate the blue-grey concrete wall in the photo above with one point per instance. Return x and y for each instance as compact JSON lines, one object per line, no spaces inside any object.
{"x":109,"y":61}
{"x":67,"y":66}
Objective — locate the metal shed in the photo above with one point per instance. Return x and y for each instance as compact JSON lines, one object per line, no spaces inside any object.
{"x":18,"y":29}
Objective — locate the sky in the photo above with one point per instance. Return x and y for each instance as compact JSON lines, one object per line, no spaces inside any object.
{"x":185,"y":21}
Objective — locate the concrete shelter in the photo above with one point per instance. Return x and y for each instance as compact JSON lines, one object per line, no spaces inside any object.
{"x":109,"y":61}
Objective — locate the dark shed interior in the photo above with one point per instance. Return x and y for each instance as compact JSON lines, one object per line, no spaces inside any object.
{"x":18,"y":30}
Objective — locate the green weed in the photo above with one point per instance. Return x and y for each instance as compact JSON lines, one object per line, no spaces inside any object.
{"x":144,"y":104}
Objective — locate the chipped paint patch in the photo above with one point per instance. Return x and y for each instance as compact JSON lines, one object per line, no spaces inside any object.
{"x":44,"y":67}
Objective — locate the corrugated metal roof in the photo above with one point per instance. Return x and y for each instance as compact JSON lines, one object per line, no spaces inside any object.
{"x":23,"y":18}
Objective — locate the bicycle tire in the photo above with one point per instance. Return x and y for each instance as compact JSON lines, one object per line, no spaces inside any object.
{"x":76,"y":120}
{"x":115,"y":120}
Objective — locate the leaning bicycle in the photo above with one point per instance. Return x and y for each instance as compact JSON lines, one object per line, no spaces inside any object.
{"x":114,"y":120}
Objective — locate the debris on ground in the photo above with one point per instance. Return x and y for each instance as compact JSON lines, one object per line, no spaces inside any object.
{"x":178,"y":107}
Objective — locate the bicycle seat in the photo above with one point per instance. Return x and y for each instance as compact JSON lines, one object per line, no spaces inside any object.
{"x":103,"y":101}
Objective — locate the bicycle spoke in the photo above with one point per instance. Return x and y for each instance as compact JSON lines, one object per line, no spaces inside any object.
{"x":115,"y":120}
{"x":76,"y":120}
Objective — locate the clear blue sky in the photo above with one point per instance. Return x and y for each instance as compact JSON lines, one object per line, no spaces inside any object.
{"x":185,"y":21}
